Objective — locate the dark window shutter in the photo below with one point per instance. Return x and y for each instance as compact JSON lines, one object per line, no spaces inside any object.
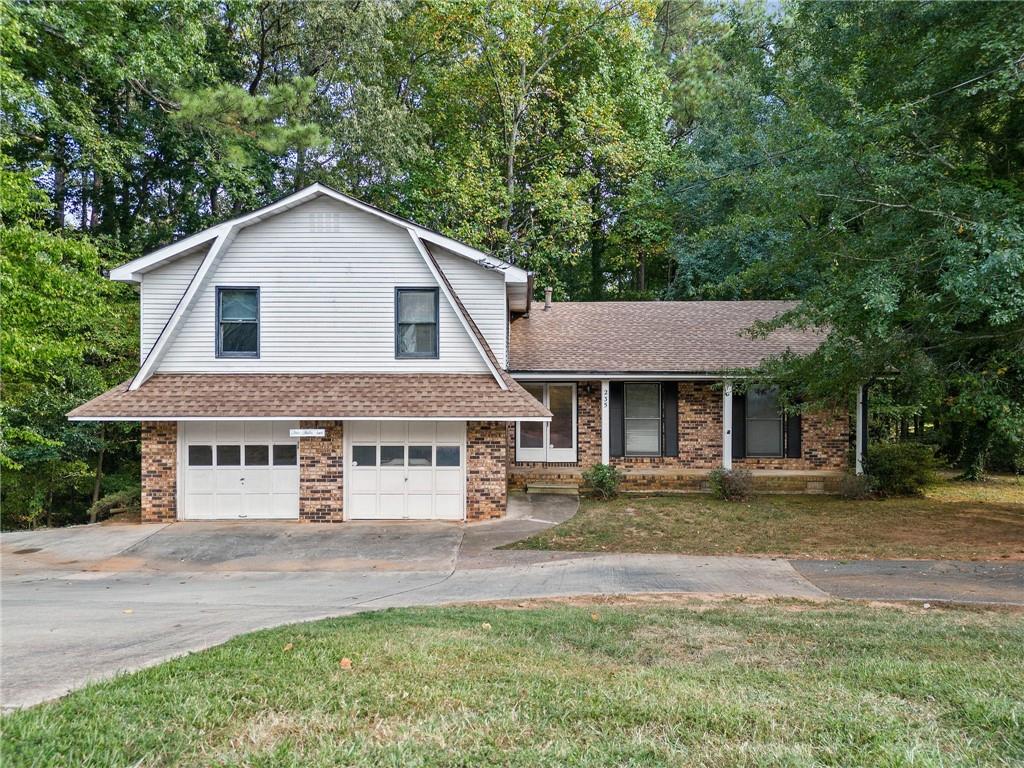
{"x":793,"y":430}
{"x":616,"y":437}
{"x":669,"y":419}
{"x":739,"y":426}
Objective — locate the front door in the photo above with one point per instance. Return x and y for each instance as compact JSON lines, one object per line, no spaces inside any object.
{"x":553,"y":441}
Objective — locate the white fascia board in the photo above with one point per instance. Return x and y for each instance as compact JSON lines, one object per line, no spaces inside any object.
{"x":321,"y":417}
{"x":443,"y":285}
{"x":131,"y":271}
{"x":184,"y":306}
{"x":609,"y":375}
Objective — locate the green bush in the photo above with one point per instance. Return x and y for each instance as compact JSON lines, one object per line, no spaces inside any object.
{"x":730,"y":484}
{"x":604,"y":480}
{"x":900,"y":469}
{"x":853,"y":486}
{"x":128,"y":500}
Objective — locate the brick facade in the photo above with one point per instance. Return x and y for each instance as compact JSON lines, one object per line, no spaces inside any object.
{"x":159,"y":471}
{"x":321,"y":492}
{"x":824,"y":447}
{"x":486,"y":470}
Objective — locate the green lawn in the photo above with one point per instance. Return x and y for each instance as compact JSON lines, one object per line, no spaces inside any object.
{"x":953,"y":520}
{"x":647,"y":682}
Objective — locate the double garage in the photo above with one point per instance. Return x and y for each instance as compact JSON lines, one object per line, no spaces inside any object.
{"x":392,"y":470}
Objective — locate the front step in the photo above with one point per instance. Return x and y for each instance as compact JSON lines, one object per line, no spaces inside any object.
{"x":567,"y":489}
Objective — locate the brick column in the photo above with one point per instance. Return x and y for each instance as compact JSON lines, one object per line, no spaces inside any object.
{"x":159,"y":471}
{"x":321,"y":493}
{"x":486,"y":470}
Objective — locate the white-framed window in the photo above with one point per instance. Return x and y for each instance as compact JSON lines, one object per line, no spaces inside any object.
{"x":553,"y":441}
{"x":764,"y":424}
{"x":641,"y":413}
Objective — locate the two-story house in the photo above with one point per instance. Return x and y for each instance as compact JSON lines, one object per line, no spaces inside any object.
{"x":320,"y":359}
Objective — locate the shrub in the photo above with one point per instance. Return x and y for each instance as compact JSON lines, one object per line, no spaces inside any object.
{"x":128,"y":500}
{"x":900,"y":469}
{"x":731,"y":484}
{"x":604,"y":480}
{"x":853,"y":486}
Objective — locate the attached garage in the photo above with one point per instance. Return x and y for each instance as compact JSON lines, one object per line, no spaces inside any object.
{"x":238,"y":470}
{"x":405,"y":470}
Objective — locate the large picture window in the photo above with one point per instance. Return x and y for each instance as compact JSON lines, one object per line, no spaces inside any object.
{"x":238,"y":322}
{"x":642,"y":418}
{"x":764,"y":424}
{"x":416,"y":316}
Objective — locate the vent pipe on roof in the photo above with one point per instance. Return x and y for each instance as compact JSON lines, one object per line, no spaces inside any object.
{"x":547,"y":298}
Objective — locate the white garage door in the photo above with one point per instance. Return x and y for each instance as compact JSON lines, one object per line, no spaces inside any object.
{"x":239,"y":470}
{"x":405,"y":470}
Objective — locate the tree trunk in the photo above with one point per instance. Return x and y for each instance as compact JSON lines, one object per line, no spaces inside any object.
{"x":94,"y":201}
{"x":641,"y":273}
{"x":98,"y":477}
{"x":596,"y":246}
{"x":59,"y":193}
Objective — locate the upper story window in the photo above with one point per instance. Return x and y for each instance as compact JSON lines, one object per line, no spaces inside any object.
{"x":763,"y":424}
{"x":416,"y":320}
{"x":642,"y":418}
{"x":238,"y":322}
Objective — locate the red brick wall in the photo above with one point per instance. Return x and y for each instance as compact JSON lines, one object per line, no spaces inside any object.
{"x":486,"y":470}
{"x":824,"y":442}
{"x":159,"y":471}
{"x":321,"y":492}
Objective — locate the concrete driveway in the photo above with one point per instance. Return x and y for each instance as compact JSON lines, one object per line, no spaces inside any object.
{"x":83,"y":604}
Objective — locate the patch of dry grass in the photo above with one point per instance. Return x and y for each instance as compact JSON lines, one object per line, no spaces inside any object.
{"x":952,"y":520}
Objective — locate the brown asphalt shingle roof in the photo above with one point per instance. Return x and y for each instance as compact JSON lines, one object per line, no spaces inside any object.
{"x":650,"y":336}
{"x":326,"y":395}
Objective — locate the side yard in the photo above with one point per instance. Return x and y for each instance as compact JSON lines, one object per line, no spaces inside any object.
{"x":952,"y":520}
{"x":655,"y":681}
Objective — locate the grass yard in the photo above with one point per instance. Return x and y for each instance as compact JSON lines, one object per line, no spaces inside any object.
{"x":645,"y":682}
{"x":953,"y":520}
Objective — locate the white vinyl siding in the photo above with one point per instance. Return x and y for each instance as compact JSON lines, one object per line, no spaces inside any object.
{"x":482,"y":292}
{"x":159,"y":293}
{"x":327,"y":275}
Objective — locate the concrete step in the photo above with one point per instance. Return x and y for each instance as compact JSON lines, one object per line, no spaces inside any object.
{"x":569,"y":489}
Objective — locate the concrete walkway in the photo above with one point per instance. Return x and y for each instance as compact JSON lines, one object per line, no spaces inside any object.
{"x":82,"y":604}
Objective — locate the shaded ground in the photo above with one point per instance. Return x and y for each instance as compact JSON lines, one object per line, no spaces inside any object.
{"x":953,"y":520}
{"x":657,"y":682}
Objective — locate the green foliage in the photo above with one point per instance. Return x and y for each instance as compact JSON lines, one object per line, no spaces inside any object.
{"x":603,"y":480}
{"x":730,"y":484}
{"x":900,"y":469}
{"x":128,"y":500}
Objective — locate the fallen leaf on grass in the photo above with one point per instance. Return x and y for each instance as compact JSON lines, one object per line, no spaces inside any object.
{"x":486,"y":625}
{"x":288,"y":647}
{"x":345,"y":663}
{"x":595,"y":617}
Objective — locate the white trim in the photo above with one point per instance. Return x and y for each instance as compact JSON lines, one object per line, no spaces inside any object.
{"x":131,"y":271}
{"x":159,"y":347}
{"x":727,"y":425}
{"x":598,"y":375}
{"x":515,"y":419}
{"x":859,"y":451}
{"x":546,"y":454}
{"x":443,"y":284}
{"x":606,"y":397}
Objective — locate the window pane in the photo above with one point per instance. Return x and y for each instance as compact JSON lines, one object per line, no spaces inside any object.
{"x":562,"y":416}
{"x":416,"y":306}
{"x":764,"y":437}
{"x":257,"y":455}
{"x":200,"y":455}
{"x":417,"y":339}
{"x":239,"y":338}
{"x":286,"y":455}
{"x":364,"y":455}
{"x":643,"y":436}
{"x":420,"y":455}
{"x":392,"y":455}
{"x":448,"y":455}
{"x":537,"y":390}
{"x":531,"y":434}
{"x":643,"y":401}
{"x":762,"y":405}
{"x":229,"y":455}
{"x":239,"y":304}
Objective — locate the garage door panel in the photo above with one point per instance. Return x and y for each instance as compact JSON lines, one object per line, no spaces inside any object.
{"x":405,"y":482}
{"x":215,"y":489}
